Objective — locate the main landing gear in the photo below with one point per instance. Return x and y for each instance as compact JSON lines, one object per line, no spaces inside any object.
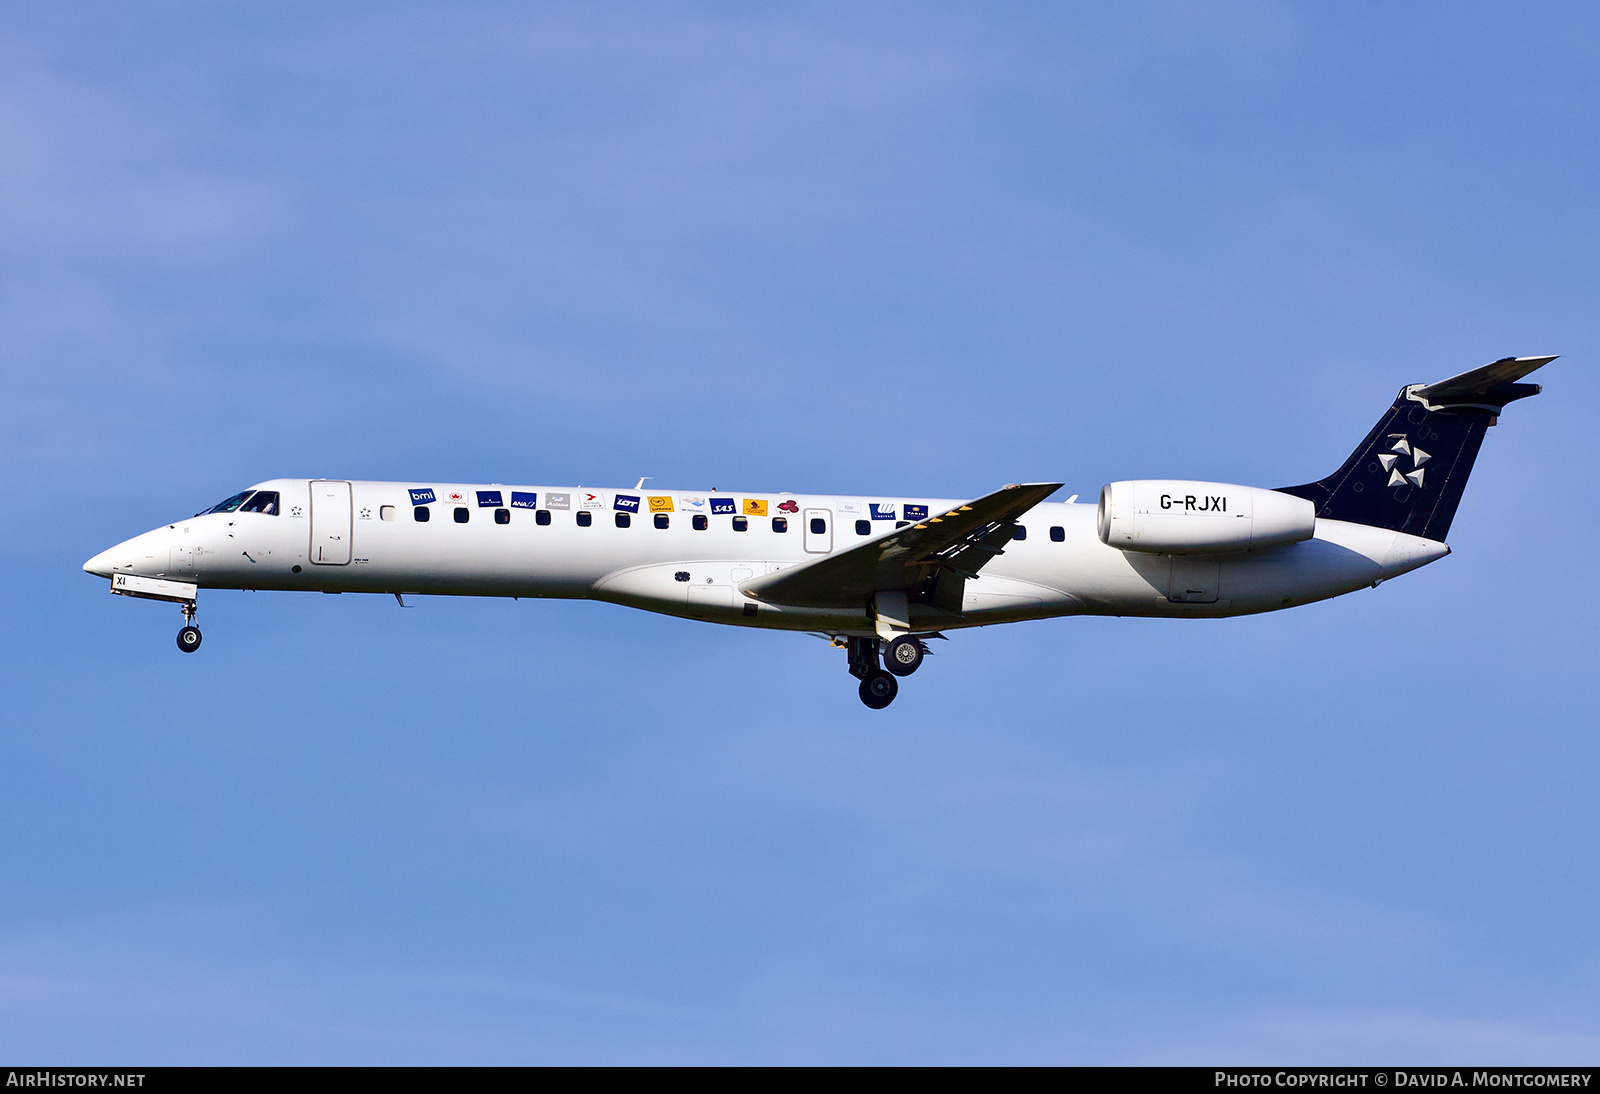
{"x":901,"y":656}
{"x":189,"y":637}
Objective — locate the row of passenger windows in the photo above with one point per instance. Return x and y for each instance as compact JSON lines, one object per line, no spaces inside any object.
{"x":461,"y":514}
{"x":819,"y":526}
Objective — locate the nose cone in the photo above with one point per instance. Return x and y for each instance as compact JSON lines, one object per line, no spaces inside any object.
{"x":100,"y":564}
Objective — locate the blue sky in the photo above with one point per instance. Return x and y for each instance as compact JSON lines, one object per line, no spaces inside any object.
{"x":900,"y":249}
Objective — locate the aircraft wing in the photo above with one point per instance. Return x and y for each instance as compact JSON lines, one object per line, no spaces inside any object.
{"x":929,"y":559}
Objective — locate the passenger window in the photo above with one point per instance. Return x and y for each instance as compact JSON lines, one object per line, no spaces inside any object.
{"x":265,"y":502}
{"x":585,"y":519}
{"x":463,"y":514}
{"x":420,"y":514}
{"x":542,"y":517}
{"x":780,"y":524}
{"x":819,"y":526}
{"x":700,"y":522}
{"x":1058,"y":534}
{"x":385,"y":512}
{"x":1020,"y":533}
{"x":662,"y":520}
{"x":623,"y":520}
{"x":741,"y":524}
{"x":863,"y":527}
{"x":502,"y":516}
{"x":902,"y":524}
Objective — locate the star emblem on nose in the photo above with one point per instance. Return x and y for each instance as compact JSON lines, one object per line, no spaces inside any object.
{"x":1393,"y":461}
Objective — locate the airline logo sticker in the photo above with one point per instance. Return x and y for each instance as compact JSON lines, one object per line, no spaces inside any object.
{"x":457,"y":497}
{"x":788,"y":506}
{"x":847,"y":508}
{"x":692,"y":504}
{"x":723,"y":506}
{"x":659,"y":504}
{"x":882,"y":512}
{"x":488,"y":499}
{"x":916,"y":512}
{"x":422,"y":497}
{"x":627,"y":503}
{"x":519,"y":500}
{"x":1393,"y":462}
{"x":590,"y":501}
{"x":754,"y":508}
{"x":558,"y":501}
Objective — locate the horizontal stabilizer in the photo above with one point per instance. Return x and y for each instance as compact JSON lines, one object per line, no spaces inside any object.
{"x":1491,"y":385}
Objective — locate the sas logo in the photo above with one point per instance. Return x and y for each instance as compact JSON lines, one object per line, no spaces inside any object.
{"x":422,"y":497}
{"x":558,"y":501}
{"x":1393,"y":461}
{"x":628,"y":503}
{"x":489,"y":499}
{"x":723,"y":506}
{"x":754,"y":508}
{"x":519,"y":500}
{"x":916,"y":512}
{"x":660,"y":504}
{"x":788,"y":507}
{"x":882,"y":512}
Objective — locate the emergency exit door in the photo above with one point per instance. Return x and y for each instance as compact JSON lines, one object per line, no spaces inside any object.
{"x":331,"y":522}
{"x":819,"y":530}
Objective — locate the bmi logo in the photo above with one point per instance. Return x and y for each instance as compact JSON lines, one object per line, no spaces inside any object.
{"x":1393,"y":461}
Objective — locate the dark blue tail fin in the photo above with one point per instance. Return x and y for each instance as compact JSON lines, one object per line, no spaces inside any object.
{"x":1409,"y":473}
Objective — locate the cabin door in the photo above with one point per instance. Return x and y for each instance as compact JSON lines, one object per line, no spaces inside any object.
{"x":331,"y":522}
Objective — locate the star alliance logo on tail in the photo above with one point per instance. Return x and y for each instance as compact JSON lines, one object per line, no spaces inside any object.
{"x":1391,"y":462}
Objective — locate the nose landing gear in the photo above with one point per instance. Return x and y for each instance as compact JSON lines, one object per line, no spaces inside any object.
{"x":189,"y":637}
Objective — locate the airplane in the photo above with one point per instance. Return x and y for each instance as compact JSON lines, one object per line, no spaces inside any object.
{"x":878,"y":576}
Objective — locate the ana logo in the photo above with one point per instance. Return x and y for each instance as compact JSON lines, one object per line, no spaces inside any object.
{"x":788,"y":507}
{"x":520,"y":500}
{"x":1393,"y":461}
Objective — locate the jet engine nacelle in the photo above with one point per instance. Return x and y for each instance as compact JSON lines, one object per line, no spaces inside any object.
{"x":1178,"y":517}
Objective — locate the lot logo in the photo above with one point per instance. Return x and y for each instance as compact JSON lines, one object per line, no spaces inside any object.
{"x":628,"y":503}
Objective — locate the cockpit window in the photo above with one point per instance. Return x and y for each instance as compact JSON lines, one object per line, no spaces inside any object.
{"x":231,"y":504}
{"x":262,"y":501}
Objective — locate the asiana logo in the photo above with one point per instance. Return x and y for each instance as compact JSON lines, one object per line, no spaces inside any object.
{"x":1393,"y":461}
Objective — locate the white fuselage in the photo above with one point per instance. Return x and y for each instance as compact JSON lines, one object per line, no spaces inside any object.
{"x":318,"y":541}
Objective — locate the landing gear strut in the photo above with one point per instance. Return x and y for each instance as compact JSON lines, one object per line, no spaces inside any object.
{"x":878,"y":688}
{"x":189,"y":637}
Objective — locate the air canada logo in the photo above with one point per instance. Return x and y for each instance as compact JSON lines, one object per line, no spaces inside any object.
{"x":1394,"y":462}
